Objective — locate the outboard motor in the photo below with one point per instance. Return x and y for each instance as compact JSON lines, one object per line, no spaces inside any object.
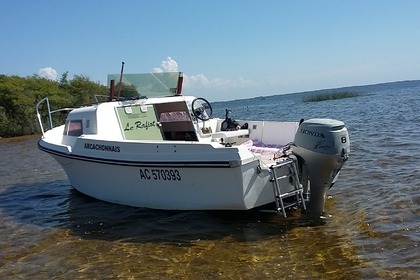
{"x":322,"y":146}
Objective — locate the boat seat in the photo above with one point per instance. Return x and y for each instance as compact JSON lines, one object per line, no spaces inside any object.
{"x":175,"y":121}
{"x":230,"y":133}
{"x":263,"y":149}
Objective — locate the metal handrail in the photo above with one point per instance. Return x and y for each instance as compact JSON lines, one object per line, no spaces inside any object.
{"x":100,"y":95}
{"x":38,"y":115}
{"x":46,"y":100}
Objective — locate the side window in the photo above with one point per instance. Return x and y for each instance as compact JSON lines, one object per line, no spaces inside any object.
{"x":73,"y":128}
{"x":178,"y":116}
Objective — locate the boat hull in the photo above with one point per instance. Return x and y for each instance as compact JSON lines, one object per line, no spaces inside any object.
{"x":194,"y":185}
{"x":167,"y":152}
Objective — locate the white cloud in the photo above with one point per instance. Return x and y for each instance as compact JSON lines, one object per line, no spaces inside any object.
{"x":200,"y":81}
{"x":218,"y":88}
{"x":48,"y":73}
{"x":168,"y":65}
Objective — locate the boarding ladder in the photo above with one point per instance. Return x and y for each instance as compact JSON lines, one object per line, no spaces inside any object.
{"x":296,"y":192}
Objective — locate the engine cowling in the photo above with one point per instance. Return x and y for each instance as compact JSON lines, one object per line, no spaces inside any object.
{"x":323,"y":146}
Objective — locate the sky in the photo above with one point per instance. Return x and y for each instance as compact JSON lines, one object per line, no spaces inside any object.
{"x":227,"y":49}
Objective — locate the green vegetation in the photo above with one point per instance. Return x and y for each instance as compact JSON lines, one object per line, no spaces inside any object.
{"x":330,"y":96}
{"x":18,"y":98}
{"x":127,"y":90}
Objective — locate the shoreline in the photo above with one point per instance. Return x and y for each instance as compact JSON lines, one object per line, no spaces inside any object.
{"x":18,"y":138}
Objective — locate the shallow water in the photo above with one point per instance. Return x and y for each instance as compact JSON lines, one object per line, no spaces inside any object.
{"x":49,"y":230}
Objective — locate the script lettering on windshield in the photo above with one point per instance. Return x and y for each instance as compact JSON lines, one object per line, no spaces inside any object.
{"x":140,"y":125}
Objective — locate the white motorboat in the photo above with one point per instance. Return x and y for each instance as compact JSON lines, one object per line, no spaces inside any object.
{"x":163,"y":150}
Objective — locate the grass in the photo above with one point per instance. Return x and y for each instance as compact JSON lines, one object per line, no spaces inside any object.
{"x":330,"y":96}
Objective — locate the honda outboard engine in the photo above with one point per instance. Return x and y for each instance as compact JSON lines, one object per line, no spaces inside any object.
{"x":322,"y":146}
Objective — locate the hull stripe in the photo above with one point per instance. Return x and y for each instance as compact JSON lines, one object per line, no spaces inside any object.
{"x":185,"y":164}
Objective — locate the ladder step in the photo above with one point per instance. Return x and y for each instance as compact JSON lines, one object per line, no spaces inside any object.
{"x":282,"y":163}
{"x":282,"y":177}
{"x":289,"y":204}
{"x":289,"y":194}
{"x":292,"y":192}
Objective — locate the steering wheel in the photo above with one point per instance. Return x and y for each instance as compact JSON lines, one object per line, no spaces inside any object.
{"x":201,"y":109}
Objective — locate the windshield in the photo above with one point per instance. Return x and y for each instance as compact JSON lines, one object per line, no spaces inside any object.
{"x":148,"y":84}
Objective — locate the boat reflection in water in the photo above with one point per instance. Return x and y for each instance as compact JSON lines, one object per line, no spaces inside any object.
{"x":239,"y":243}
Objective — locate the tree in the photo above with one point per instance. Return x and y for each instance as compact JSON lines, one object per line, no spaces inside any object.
{"x":63,"y":81}
{"x":82,"y":90}
{"x":19,"y":96}
{"x":127,"y":90}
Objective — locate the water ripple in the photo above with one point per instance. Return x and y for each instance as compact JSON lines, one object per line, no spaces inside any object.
{"x":371,"y":230}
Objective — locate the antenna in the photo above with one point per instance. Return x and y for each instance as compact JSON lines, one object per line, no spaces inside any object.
{"x":120,"y":84}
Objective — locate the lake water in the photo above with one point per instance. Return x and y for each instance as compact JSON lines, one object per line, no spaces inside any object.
{"x":372,"y":230}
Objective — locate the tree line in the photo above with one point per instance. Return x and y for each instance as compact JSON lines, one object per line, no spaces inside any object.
{"x":19,"y":96}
